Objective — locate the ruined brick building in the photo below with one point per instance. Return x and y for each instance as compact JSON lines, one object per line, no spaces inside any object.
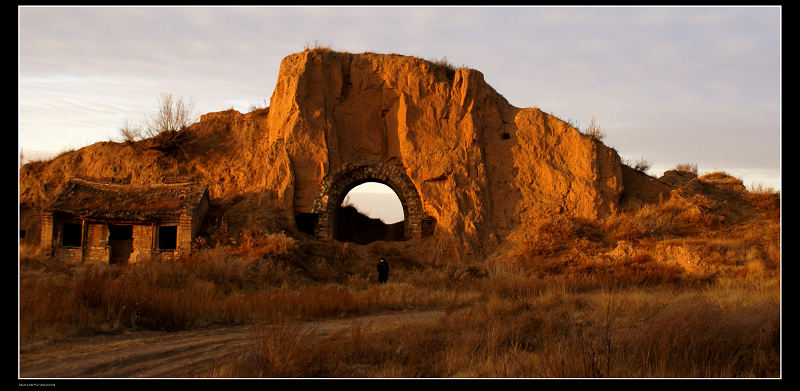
{"x":115,"y":223}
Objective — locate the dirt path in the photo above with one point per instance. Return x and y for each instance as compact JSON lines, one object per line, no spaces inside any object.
{"x":150,"y":354}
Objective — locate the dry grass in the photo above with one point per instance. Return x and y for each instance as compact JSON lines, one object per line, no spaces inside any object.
{"x":689,"y":287}
{"x":594,"y":131}
{"x":687,"y":167}
{"x":555,"y":333}
{"x":317,"y":47}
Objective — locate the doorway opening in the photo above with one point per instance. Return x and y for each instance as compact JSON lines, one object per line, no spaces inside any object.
{"x":369,"y":212}
{"x":120,"y":239}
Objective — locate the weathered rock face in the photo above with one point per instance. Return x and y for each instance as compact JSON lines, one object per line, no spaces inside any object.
{"x":477,"y":163}
{"x":454,"y":150}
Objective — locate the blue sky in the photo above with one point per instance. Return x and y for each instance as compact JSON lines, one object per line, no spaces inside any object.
{"x":667,"y":84}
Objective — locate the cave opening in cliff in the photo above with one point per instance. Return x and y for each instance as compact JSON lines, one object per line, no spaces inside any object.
{"x":369,"y":212}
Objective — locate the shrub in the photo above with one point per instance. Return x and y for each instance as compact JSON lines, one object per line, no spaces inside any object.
{"x":317,"y":47}
{"x":641,"y":165}
{"x":132,"y":131}
{"x":681,"y":215}
{"x":594,"y":130}
{"x":687,"y":167}
{"x":165,"y":127}
{"x":444,"y":64}
{"x":174,"y":115}
{"x":255,"y":244}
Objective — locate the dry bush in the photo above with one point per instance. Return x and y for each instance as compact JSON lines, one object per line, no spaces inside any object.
{"x":687,"y":167}
{"x":317,"y":47}
{"x":165,"y":128}
{"x":641,"y":165}
{"x":760,"y":188}
{"x":763,"y":197}
{"x":545,"y":236}
{"x":681,"y":215}
{"x":594,"y":131}
{"x":132,"y":131}
{"x":173,"y":116}
{"x":448,"y":68}
{"x":255,"y":244}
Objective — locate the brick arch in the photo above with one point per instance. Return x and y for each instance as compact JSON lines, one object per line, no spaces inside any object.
{"x":335,"y":186}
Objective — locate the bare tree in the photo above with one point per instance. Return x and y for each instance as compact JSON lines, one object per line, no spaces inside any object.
{"x":165,"y":127}
{"x":131,"y":131}
{"x":642,"y":165}
{"x":174,"y":114}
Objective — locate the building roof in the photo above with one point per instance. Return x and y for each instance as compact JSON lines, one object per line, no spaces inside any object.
{"x":128,"y":202}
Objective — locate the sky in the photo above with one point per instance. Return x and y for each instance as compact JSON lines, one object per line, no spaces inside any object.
{"x":668,"y":85}
{"x":377,"y":201}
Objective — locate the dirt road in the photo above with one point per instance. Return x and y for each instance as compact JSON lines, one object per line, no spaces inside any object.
{"x":150,"y":354}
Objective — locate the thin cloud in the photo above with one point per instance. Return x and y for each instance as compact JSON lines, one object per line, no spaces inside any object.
{"x":663,"y":81}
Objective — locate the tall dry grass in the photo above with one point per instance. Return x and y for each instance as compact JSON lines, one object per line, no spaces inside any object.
{"x":689,"y":287}
{"x":557,"y":333}
{"x":266,"y":278}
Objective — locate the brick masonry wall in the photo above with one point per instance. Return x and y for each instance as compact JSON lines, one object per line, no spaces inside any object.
{"x":334,"y":188}
{"x":143,"y":239}
{"x":69,"y":254}
{"x":184,"y":243}
{"x":95,"y":243}
{"x":46,"y":239}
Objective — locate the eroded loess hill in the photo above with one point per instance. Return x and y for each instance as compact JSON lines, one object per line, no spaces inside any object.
{"x":476,"y":165}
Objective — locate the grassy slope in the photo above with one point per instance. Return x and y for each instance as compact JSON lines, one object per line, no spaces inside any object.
{"x":686,"y":288}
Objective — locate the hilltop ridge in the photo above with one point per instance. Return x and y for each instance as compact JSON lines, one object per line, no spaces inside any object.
{"x":467,"y":159}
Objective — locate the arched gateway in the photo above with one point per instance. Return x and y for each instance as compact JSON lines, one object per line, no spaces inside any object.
{"x":336,"y":185}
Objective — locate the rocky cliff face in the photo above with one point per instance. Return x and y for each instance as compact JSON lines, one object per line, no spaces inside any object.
{"x":477,"y":164}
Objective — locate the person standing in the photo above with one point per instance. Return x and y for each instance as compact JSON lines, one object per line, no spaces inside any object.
{"x":383,"y":271}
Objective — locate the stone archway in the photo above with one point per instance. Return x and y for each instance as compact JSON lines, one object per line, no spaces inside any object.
{"x":336,"y":185}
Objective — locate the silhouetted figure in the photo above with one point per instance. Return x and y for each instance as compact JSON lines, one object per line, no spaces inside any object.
{"x":383,"y":271}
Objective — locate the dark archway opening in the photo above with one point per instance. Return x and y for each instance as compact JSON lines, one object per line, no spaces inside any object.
{"x":307,"y":223}
{"x":369,"y":212}
{"x":120,"y":239}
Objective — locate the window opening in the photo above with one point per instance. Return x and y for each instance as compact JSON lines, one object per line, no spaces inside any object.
{"x":71,"y":235}
{"x":120,"y":232}
{"x":167,"y":237}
